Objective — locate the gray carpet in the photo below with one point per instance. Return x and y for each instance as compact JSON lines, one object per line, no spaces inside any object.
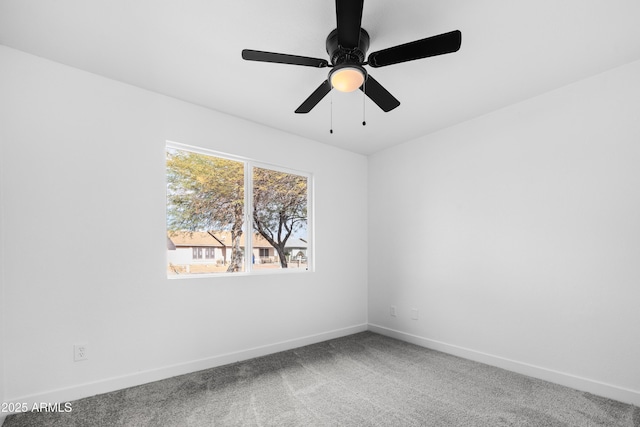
{"x":360,"y":380}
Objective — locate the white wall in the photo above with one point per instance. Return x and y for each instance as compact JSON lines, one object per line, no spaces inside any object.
{"x":2,"y":304}
{"x":83,"y":204}
{"x":517,"y":237}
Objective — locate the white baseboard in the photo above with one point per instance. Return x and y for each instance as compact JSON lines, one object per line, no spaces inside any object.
{"x":610,"y":391}
{"x":131,"y":380}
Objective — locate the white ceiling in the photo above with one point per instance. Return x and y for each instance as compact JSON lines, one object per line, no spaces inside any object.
{"x":190,"y":49}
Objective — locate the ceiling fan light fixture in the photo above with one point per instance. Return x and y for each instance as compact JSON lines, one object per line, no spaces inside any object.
{"x":347,"y":78}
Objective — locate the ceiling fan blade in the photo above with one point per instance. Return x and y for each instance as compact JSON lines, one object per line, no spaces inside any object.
{"x":349,"y":18}
{"x":281,"y":58}
{"x":379,"y":94}
{"x":314,"y":98}
{"x":431,"y":46}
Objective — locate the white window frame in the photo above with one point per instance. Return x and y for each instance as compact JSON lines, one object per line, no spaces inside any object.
{"x":249,"y":164}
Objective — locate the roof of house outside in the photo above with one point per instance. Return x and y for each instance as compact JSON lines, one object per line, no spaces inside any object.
{"x":214,"y":238}
{"x":296,"y":243}
{"x":170,"y":244}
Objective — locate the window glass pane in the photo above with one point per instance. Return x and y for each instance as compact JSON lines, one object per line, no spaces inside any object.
{"x":279,"y":220}
{"x":205,"y":213}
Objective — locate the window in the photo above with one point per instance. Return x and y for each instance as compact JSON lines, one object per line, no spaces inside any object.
{"x":246,"y":216}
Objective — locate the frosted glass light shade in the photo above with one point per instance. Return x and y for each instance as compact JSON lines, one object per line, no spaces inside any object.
{"x":347,"y":79}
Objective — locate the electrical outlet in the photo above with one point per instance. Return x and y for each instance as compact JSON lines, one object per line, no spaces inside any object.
{"x":414,"y":313}
{"x":392,"y":311}
{"x":80,"y":352}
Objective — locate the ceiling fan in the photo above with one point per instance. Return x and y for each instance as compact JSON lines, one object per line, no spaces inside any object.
{"x":347,"y":46}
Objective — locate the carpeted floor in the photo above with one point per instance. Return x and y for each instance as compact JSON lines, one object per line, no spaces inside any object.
{"x":360,"y":380}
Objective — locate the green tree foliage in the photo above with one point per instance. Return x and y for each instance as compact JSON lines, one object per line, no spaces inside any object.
{"x":207,"y":193}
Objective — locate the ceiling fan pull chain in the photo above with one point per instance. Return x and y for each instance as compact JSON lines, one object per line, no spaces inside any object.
{"x":364,"y":98}
{"x":331,"y":112}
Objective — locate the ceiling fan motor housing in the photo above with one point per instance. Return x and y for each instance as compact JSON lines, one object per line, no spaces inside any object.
{"x":341,"y":55}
